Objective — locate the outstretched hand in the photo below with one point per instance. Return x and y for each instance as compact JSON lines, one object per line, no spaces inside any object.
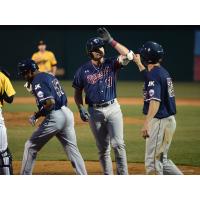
{"x":138,"y":62}
{"x":32,"y":120}
{"x":105,"y":35}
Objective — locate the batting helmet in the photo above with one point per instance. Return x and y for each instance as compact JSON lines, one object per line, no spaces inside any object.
{"x":151,"y":52}
{"x":27,"y":65}
{"x":93,"y":44}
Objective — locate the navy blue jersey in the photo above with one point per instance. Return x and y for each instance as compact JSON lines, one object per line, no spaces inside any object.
{"x":46,"y":86}
{"x":158,"y":86}
{"x":99,"y":83}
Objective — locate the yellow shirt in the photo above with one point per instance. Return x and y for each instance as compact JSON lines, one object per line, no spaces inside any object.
{"x":45,"y":60}
{"x":5,"y":87}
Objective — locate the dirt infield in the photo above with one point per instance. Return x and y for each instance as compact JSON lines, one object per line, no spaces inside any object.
{"x":18,"y":119}
{"x":93,"y":168}
{"x":122,"y":101}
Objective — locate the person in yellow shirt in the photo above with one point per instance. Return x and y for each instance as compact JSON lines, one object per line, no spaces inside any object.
{"x":7,"y":94}
{"x":45,"y":59}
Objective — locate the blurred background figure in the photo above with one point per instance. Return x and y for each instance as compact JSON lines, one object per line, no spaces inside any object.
{"x":45,"y":59}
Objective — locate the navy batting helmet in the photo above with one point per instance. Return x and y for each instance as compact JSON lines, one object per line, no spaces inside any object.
{"x":93,"y":44}
{"x":151,"y":52}
{"x":27,"y":65}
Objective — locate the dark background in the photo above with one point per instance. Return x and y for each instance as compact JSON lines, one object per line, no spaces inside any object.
{"x":68,"y":44}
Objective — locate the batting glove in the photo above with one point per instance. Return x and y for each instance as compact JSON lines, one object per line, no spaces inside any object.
{"x":105,"y":35}
{"x":84,"y":114}
{"x":32,"y":120}
{"x":28,"y":86}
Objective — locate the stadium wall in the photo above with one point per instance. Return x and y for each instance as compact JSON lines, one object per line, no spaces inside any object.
{"x":68,"y":44}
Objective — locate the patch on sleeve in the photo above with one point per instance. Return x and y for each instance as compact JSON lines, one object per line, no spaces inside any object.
{"x":151,"y":92}
{"x":170,"y":87}
{"x":40,"y":94}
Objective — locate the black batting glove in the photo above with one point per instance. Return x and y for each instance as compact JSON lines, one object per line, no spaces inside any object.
{"x":105,"y":35}
{"x":84,"y":114}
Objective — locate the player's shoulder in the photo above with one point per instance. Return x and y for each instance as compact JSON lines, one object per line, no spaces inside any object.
{"x":35,"y":54}
{"x":163,"y":73}
{"x":49,"y":52}
{"x":41,"y":78}
{"x":84,"y":66}
{"x":159,"y":73}
{"x":3,"y":77}
{"x":154,"y":74}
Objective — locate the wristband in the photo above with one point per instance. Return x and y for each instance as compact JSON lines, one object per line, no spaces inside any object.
{"x":113,"y":43}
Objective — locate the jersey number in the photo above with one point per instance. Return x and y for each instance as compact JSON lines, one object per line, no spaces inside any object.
{"x":109,"y":81}
{"x":170,"y":87}
{"x":57,"y":87}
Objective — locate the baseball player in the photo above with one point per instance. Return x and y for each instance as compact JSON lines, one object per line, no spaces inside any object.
{"x":97,"y":78}
{"x":45,"y":59}
{"x":7,"y":93}
{"x":59,"y":120}
{"x":159,"y":108}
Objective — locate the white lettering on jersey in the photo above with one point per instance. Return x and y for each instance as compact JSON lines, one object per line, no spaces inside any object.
{"x":93,"y":78}
{"x":151,"y":83}
{"x":37,"y":86}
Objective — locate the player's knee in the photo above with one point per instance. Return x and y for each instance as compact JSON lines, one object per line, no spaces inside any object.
{"x":104,"y":152}
{"x":118,"y":145}
{"x":27,"y":144}
{"x":30,"y":148}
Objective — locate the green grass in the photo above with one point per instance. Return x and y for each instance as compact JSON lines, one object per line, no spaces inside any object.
{"x":185,"y":148}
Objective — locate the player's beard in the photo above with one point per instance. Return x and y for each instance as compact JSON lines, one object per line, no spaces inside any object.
{"x":99,"y":55}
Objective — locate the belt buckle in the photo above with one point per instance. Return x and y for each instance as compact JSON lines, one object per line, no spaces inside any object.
{"x":107,"y":103}
{"x":103,"y":104}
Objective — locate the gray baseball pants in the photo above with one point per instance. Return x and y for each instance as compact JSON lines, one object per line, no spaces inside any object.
{"x":58,"y":123}
{"x":107,"y":126}
{"x":157,"y":147}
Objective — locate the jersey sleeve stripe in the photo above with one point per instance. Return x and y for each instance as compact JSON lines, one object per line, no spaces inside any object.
{"x":153,"y":98}
{"x":50,"y":97}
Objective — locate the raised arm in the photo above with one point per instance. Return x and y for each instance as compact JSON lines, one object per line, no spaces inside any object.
{"x":105,"y":35}
{"x":137,"y":60}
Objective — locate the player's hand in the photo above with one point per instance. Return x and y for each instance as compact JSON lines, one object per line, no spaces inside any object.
{"x":138,"y":62}
{"x":145,"y":130}
{"x":137,"y":59}
{"x":28,"y":86}
{"x":105,"y":35}
{"x":32,"y":120}
{"x":84,"y":114}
